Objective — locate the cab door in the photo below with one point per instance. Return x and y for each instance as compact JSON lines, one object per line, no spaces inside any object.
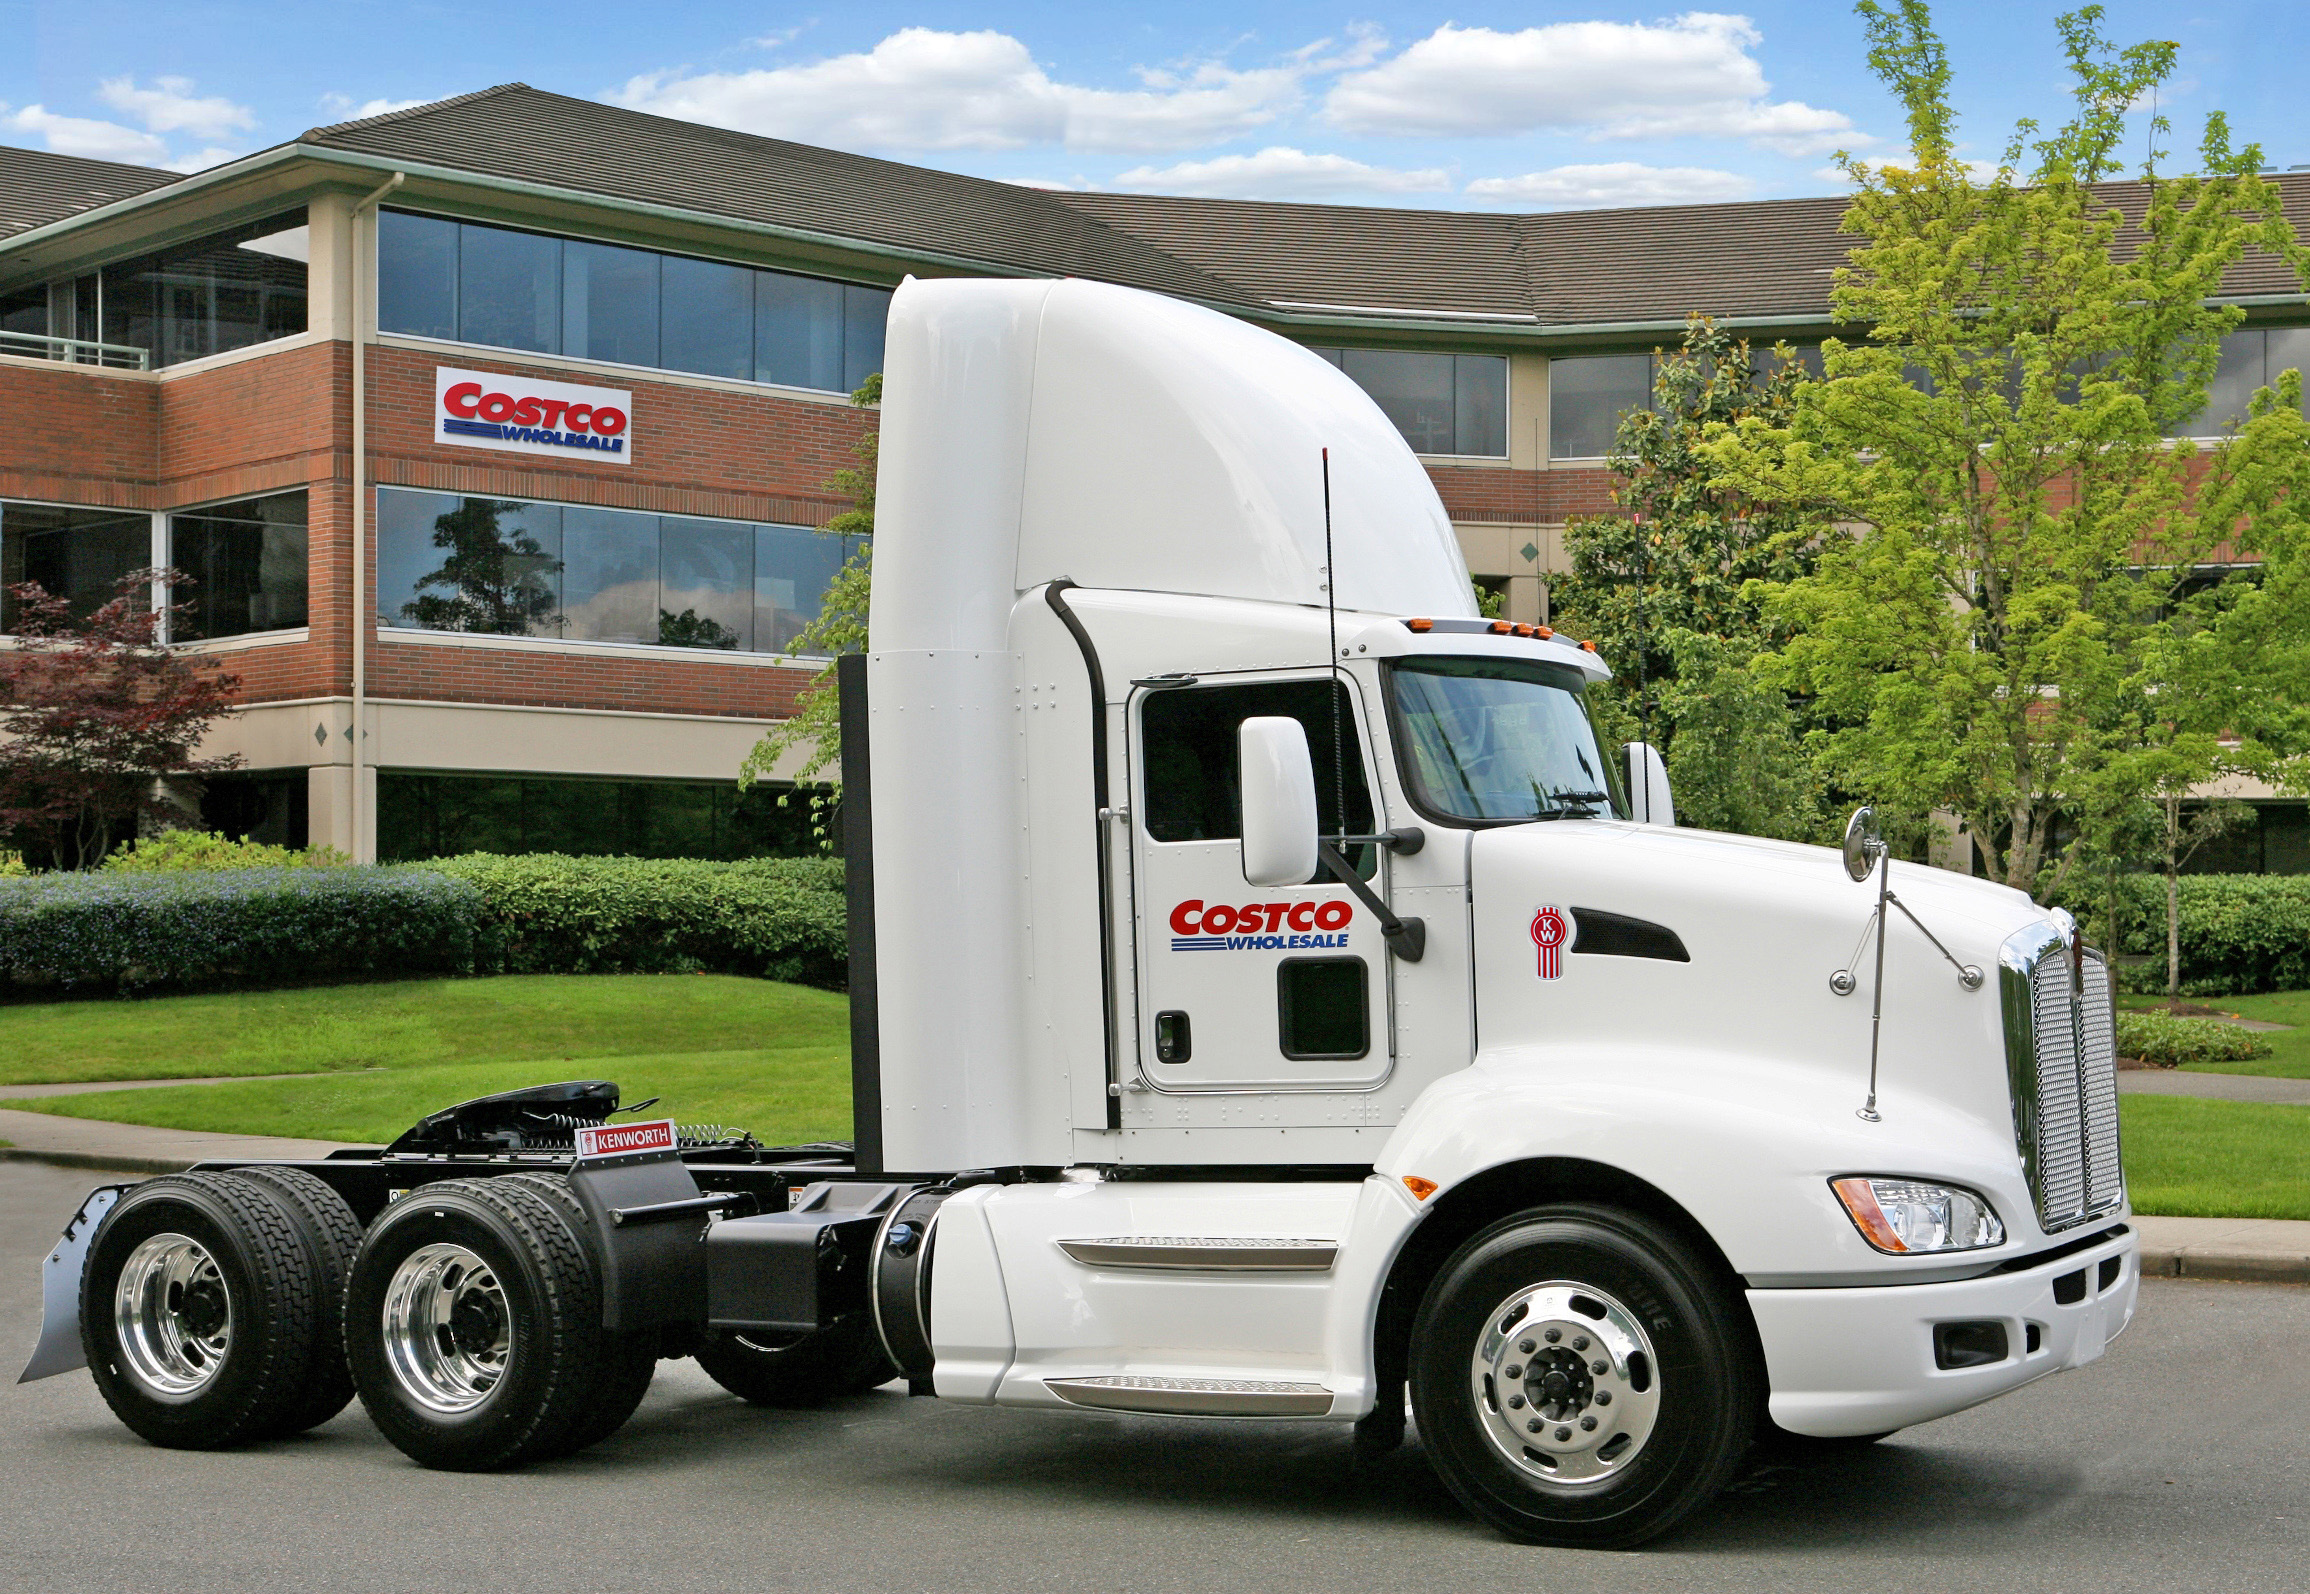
{"x":1243,"y":987}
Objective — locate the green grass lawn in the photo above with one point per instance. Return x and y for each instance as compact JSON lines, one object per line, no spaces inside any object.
{"x":2216,"y":1159}
{"x":2289,"y":1049}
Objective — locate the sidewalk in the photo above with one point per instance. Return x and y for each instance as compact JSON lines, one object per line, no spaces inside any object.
{"x":2253,"y":1250}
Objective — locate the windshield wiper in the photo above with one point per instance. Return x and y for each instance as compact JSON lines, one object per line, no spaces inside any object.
{"x":1564,"y":804}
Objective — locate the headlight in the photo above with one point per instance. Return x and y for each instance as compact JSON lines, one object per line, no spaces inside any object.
{"x":1904,"y":1217}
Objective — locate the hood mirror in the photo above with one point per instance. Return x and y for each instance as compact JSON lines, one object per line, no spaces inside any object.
{"x":1863,"y":845}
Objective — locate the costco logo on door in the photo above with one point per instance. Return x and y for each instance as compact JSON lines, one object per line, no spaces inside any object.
{"x":1259,"y":926}
{"x":521,"y":415}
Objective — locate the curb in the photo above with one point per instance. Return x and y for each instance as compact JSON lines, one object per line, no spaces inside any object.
{"x":98,"y":1161}
{"x":2228,"y":1267}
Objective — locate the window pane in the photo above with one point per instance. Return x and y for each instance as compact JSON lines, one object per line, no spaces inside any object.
{"x":1191,"y":736}
{"x":610,"y":575}
{"x":2287,"y":349}
{"x":709,"y":318}
{"x":78,"y":554}
{"x":1480,"y":404}
{"x":706,"y":583}
{"x":1415,"y":391}
{"x":405,"y":548}
{"x":490,"y":565}
{"x":1587,"y":397}
{"x":609,"y":303}
{"x":1764,"y":362}
{"x":25,"y":310}
{"x":865,"y":313}
{"x":1322,"y":1007}
{"x":797,"y":331}
{"x":792,"y":565}
{"x":247,"y":561}
{"x":509,"y":289}
{"x":2235,"y":378}
{"x":416,"y":275}
{"x":221,"y":293}
{"x":1333,"y":355}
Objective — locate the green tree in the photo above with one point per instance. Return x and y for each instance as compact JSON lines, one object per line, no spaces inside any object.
{"x":839,"y":627}
{"x":1672,"y":588}
{"x":496,"y":578}
{"x":2019,"y":523}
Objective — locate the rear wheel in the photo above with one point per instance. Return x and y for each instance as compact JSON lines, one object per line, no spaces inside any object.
{"x":629,"y":1360}
{"x":1580,"y":1378}
{"x":332,"y":1235}
{"x":200,"y":1310}
{"x":473,"y":1327}
{"x":769,"y":1369}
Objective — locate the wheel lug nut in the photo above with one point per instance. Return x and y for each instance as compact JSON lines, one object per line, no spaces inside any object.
{"x":1534,"y":1426}
{"x":1563,"y":1434}
{"x":1604,"y":1397}
{"x":1588,"y":1424}
{"x":1512,"y":1371}
{"x":1515,"y":1402}
{"x":1552,"y":1335}
{"x":1528,"y":1347}
{"x":1580,"y":1342}
{"x":1599,"y":1368}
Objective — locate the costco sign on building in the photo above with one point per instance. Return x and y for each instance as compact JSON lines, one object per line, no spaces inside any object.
{"x":521,"y":415}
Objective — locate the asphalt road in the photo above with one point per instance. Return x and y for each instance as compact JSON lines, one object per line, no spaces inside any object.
{"x":2181,"y":1461}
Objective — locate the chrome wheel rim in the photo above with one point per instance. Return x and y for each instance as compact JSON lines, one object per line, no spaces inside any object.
{"x":1567,"y":1385}
{"x":448,"y":1328}
{"x":173,"y":1316}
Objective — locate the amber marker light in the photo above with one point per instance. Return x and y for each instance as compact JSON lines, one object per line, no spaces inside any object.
{"x":1861,"y":1202}
{"x":1419,"y":625}
{"x":1588,"y":647}
{"x":1420,"y":1188}
{"x":1501,"y":628}
{"x":1543,"y":632}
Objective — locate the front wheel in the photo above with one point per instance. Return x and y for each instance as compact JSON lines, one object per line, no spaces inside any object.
{"x":1580,"y":1378}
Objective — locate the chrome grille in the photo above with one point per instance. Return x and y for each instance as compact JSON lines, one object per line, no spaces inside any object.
{"x":2061,"y":1060}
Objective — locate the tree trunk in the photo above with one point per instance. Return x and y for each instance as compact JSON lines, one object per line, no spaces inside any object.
{"x":2173,"y":910}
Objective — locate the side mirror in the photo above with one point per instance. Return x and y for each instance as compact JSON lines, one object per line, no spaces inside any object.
{"x":1648,"y":797}
{"x":1279,"y":834}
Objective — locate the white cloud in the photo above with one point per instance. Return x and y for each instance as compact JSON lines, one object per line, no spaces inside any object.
{"x":1612,"y":183}
{"x":170,"y":106}
{"x":85,"y":136}
{"x":202,"y":160}
{"x":1693,"y":75}
{"x":1283,"y":173}
{"x":924,"y":89}
{"x":342,"y":107}
{"x":1983,"y":172}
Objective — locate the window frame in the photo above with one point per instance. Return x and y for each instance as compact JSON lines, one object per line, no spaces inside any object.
{"x":1326,"y":351}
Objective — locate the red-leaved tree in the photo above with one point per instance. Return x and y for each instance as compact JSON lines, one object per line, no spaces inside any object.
{"x":92,"y":714}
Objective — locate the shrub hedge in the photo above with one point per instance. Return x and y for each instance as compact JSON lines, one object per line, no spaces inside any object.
{"x":2240,"y":933}
{"x":2168,"y":1042}
{"x":534,"y":914}
{"x":183,"y":851}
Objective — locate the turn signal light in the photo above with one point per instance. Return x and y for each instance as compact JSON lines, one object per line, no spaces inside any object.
{"x":1420,"y":1188}
{"x":1419,"y":625}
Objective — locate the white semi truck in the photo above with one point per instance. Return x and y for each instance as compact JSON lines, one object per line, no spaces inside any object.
{"x":1266,"y":1005}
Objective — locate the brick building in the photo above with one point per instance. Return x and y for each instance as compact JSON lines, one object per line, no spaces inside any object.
{"x":604,"y":361}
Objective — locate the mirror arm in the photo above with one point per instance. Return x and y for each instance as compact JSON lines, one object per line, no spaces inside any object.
{"x":1404,"y":840}
{"x":1406,"y":938}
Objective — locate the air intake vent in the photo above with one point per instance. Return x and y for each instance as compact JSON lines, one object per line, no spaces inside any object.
{"x":2061,"y":1059}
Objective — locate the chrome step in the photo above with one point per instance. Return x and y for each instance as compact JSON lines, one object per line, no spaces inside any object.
{"x":1205,"y":1253}
{"x":1199,"y":1397}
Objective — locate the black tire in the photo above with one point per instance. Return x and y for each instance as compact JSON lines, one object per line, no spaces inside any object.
{"x":629,"y":1360}
{"x":223,"y":1306}
{"x":332,"y":1235}
{"x":1550,"y":1458}
{"x":845,"y":1358}
{"x":514,"y":1363}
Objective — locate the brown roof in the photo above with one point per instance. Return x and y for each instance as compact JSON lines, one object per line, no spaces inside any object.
{"x":515,"y":131}
{"x":37,"y":187}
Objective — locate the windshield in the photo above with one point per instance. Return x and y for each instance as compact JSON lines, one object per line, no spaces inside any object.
{"x":1498,"y":740}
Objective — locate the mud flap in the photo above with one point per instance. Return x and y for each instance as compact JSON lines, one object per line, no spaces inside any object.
{"x":59,"y":1350}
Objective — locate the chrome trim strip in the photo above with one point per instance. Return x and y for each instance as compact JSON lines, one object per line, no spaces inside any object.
{"x":1194,"y":1397}
{"x":1204,"y":1254}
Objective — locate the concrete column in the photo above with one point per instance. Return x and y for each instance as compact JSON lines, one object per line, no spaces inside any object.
{"x":1527,"y":600}
{"x":329,"y":791}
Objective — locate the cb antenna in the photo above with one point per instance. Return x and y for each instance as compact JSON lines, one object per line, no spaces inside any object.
{"x":1338,"y":691}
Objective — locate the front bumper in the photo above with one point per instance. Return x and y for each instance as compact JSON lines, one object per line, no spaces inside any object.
{"x":1861,"y":1361}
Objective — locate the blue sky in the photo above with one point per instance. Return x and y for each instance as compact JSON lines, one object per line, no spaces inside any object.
{"x":1489,"y":106}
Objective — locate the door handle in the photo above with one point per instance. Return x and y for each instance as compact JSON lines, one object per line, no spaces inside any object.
{"x":1174,"y":1036}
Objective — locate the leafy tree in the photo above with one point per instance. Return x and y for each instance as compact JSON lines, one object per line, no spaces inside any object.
{"x":690,"y":629}
{"x":1672,"y":588}
{"x":93,"y":713}
{"x":497,"y":579}
{"x":839,"y":627}
{"x":2020,"y":522}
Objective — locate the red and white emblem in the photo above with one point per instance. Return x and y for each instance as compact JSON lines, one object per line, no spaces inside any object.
{"x":1550,"y":929}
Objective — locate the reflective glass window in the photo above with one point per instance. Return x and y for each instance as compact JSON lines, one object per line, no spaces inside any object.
{"x":26,"y":311}
{"x":247,"y":562}
{"x":423,"y":815}
{"x":705,"y":583}
{"x":609,"y":303}
{"x":78,"y":554}
{"x":708,"y":324}
{"x":609,"y":576}
{"x":1587,"y":397}
{"x":220,"y":293}
{"x":509,"y":289}
{"x":416,"y":275}
{"x":2252,"y":358}
{"x":792,"y":566}
{"x":488,"y":565}
{"x":865,"y":314}
{"x":1442,"y":403}
{"x":1190,"y":738}
{"x":799,"y":329}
